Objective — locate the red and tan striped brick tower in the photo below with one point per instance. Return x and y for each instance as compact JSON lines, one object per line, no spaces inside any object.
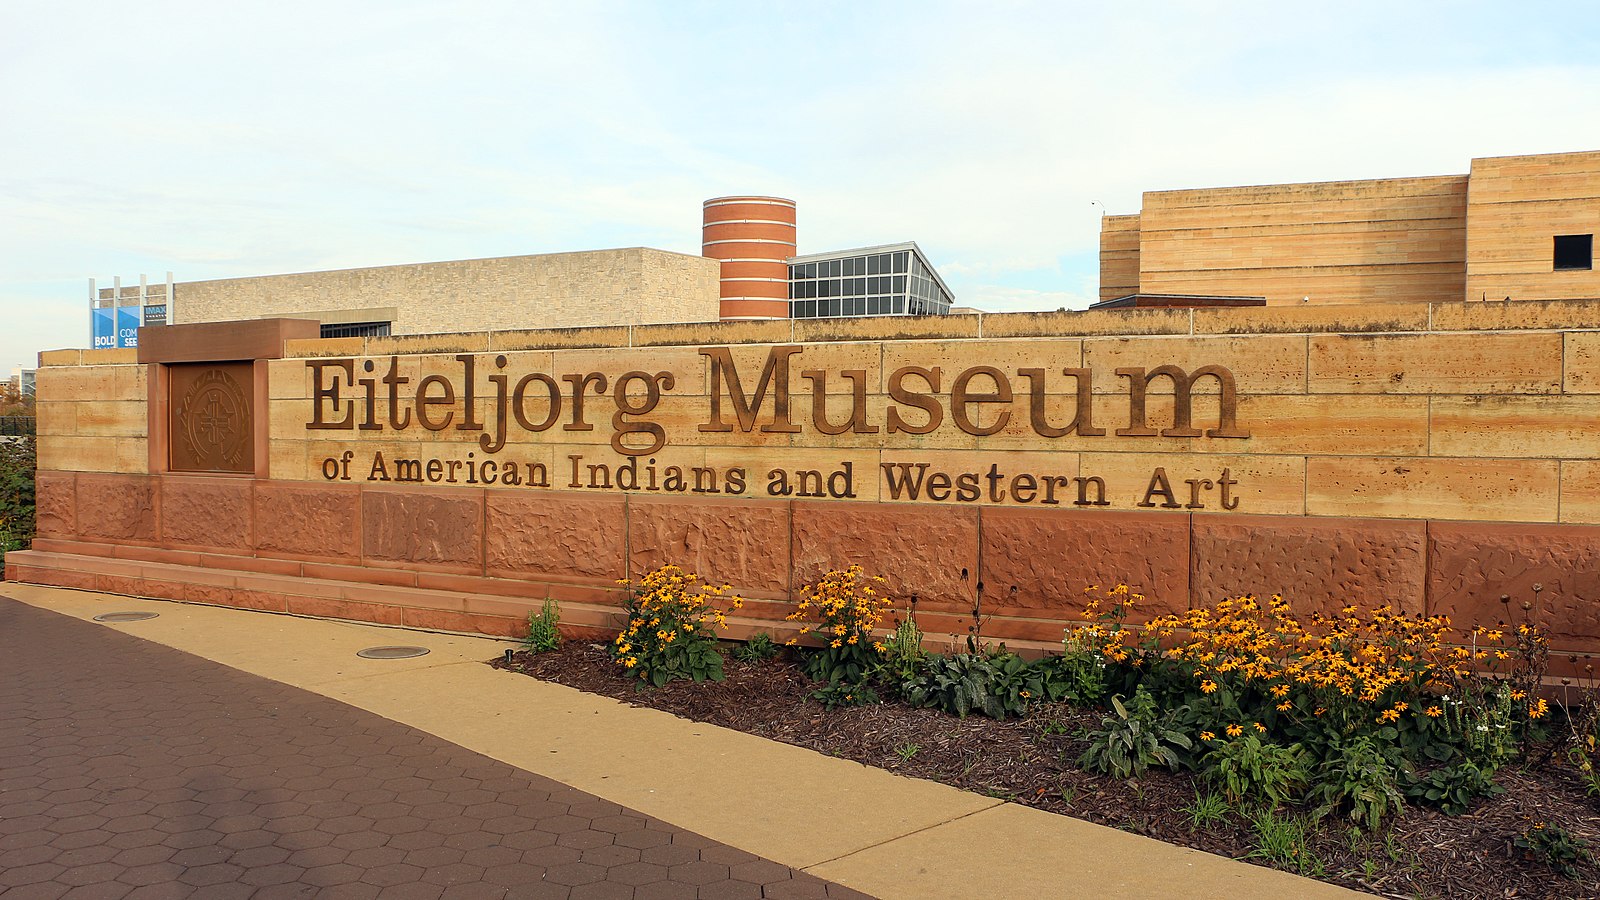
{"x":753,"y":236}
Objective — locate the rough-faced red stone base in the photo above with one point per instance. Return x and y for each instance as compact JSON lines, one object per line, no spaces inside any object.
{"x":116,"y":507}
{"x":1318,"y":565}
{"x":424,"y":529}
{"x":207,"y":512}
{"x":55,"y":504}
{"x":542,"y":534}
{"x":1549,"y":575}
{"x":1037,"y":563}
{"x":471,"y":559}
{"x":742,"y":544}
{"x":928,"y":550}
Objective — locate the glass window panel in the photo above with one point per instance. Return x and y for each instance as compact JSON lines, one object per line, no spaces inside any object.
{"x":899,"y":282}
{"x":850,"y":267}
{"x":885,"y":263}
{"x":900,"y":259}
{"x":899,"y":306}
{"x":834,"y":268}
{"x":872,"y":264}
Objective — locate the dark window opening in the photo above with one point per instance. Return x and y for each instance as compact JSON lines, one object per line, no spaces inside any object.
{"x":356,"y":329}
{"x":1574,"y":251}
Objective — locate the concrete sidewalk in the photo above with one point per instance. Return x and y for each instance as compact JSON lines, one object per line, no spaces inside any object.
{"x":864,"y":828}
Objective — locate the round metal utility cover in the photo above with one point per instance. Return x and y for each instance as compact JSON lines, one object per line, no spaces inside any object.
{"x":125,"y":616}
{"x":391,"y":652}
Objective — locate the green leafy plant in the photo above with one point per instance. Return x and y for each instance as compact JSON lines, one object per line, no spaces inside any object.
{"x":1554,"y":846}
{"x":1132,"y":738}
{"x":1014,"y":682}
{"x":1453,"y":788}
{"x":759,"y":647}
{"x":1248,"y":769}
{"x":544,"y":632}
{"x":1358,"y":775}
{"x":955,"y":684}
{"x":1077,"y":676}
{"x":670,"y":634}
{"x":837,"y":693}
{"x":997,"y":684}
{"x":906,"y":751}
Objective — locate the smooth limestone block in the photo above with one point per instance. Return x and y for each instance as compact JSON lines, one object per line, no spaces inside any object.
{"x":1260,"y":364}
{"x":112,"y":418}
{"x":557,"y":338}
{"x":1357,"y":317}
{"x":1515,"y":426}
{"x":1437,"y":488}
{"x":1582,"y":363}
{"x":464,"y":342}
{"x":1580,"y":491}
{"x":77,"y":453}
{"x":1436,"y":364}
{"x":321,"y":347}
{"x":1518,"y":314}
{"x":1086,"y":322}
{"x":774,"y":331}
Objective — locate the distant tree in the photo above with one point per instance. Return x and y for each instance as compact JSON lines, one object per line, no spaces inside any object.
{"x":18,"y":460}
{"x":13,"y":402}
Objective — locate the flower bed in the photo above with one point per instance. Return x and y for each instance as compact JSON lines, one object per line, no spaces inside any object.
{"x":1380,"y":751}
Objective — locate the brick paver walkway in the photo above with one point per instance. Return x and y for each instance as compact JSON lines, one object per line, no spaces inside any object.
{"x":131,"y":771}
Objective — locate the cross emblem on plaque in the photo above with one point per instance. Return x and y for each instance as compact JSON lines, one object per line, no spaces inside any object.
{"x":213,"y":420}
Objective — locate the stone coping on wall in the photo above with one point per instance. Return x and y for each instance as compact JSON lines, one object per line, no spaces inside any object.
{"x":1366,"y":318}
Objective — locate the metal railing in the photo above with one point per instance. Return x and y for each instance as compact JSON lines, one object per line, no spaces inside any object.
{"x":15,"y":426}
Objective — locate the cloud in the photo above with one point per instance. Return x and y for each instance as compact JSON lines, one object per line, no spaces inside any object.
{"x":301,"y":135}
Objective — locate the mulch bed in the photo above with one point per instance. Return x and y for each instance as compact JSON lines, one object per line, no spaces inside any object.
{"x":1030,"y":761}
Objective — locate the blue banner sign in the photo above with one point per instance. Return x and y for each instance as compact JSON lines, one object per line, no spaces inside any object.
{"x":127,"y":326}
{"x":103,"y":327}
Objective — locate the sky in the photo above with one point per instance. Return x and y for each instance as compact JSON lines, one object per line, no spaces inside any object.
{"x":218,"y":140}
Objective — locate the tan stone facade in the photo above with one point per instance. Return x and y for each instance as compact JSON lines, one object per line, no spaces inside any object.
{"x":1432,"y":456}
{"x":1487,"y":235}
{"x":552,"y":290}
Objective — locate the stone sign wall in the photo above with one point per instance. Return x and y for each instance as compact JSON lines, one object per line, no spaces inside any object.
{"x":1431,"y":456}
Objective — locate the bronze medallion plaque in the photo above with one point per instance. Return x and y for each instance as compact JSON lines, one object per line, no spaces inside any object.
{"x":211,"y":426}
